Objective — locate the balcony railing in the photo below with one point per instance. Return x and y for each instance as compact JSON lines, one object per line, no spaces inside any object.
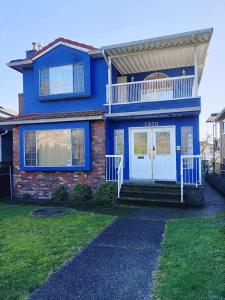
{"x":152,"y":90}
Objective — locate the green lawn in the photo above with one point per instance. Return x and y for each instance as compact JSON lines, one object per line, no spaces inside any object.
{"x":192,"y":264}
{"x":32,"y":248}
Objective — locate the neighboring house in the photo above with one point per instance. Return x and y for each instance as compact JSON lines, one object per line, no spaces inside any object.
{"x":6,"y":144}
{"x":137,"y":99}
{"x":220,"y":119}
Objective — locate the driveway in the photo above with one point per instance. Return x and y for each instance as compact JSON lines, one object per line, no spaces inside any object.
{"x":120,"y":262}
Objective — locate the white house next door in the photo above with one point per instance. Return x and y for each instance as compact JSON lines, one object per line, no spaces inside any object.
{"x":153,"y":153}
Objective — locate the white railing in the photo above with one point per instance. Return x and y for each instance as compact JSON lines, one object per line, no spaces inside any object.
{"x":114,"y":170}
{"x":152,"y":90}
{"x":191,"y":172}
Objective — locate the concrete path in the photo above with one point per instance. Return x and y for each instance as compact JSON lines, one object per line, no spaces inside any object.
{"x":119,"y":263}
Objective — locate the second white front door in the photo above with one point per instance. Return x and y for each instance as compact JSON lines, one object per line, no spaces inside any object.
{"x":152,"y":153}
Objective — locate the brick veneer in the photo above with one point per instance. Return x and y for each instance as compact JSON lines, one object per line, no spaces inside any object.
{"x":40,"y":184}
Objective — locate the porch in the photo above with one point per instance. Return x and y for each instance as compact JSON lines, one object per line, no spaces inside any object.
{"x":189,"y":191}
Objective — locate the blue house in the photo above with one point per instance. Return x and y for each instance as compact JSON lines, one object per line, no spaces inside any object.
{"x":126,"y":112}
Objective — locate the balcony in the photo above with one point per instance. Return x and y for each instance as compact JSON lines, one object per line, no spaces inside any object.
{"x":164,"y":89}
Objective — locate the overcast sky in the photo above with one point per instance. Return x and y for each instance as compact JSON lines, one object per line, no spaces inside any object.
{"x":101,"y":23}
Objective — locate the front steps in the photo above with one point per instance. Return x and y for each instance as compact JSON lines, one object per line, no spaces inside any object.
{"x":141,"y":193}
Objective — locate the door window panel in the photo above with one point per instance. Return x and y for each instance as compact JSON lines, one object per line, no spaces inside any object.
{"x":163,"y":143}
{"x":140,"y":143}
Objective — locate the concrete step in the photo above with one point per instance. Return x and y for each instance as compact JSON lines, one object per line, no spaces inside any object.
{"x":156,"y":201}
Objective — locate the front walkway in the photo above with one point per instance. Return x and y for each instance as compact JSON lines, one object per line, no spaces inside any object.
{"x":119,"y":263}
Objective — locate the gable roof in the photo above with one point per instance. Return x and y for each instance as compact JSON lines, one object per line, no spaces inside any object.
{"x":18,"y":64}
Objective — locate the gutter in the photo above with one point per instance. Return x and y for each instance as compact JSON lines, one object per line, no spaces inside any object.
{"x":53,"y":120}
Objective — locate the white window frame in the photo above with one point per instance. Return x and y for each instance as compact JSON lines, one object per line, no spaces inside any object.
{"x":70,"y":144}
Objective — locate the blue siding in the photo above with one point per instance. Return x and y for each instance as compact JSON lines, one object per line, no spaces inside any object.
{"x":175,"y":72}
{"x":67,"y":125}
{"x":178,"y":122}
{"x":155,"y":105}
{"x":95,"y":83}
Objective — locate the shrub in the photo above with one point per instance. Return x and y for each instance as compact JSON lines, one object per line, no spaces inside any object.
{"x":26,"y":197}
{"x":59,"y":194}
{"x":80,"y":194}
{"x":106,"y":193}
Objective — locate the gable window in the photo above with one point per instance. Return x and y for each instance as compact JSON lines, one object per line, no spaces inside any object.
{"x":55,"y":147}
{"x":62,"y":80}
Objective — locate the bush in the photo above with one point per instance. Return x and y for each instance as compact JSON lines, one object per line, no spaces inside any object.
{"x":106,"y":193}
{"x":26,"y":197}
{"x":59,"y":194}
{"x":80,"y":194}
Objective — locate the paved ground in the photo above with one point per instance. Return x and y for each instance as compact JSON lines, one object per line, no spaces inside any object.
{"x":119,"y":263}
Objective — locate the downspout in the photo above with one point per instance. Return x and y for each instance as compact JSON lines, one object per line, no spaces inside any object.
{"x":109,"y":89}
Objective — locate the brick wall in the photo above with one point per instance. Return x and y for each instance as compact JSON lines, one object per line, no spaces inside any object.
{"x":40,"y":184}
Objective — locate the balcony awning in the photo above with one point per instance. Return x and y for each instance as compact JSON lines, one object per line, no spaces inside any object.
{"x":165,"y":52}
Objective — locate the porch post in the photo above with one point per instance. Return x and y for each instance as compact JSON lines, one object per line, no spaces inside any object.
{"x":196,"y":72}
{"x":110,"y":83}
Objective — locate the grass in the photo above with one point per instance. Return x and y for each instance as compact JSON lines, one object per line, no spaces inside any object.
{"x":192,"y":264}
{"x":32,"y":248}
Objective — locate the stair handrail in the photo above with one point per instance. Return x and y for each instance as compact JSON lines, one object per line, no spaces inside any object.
{"x":194,"y":170}
{"x":114,"y":170}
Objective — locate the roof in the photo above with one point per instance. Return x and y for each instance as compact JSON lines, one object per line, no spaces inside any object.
{"x":220,"y":116}
{"x":53,"y":117}
{"x":211,"y":118}
{"x":18,"y":64}
{"x":170,"y":51}
{"x":165,"y":52}
{"x":6,"y":113}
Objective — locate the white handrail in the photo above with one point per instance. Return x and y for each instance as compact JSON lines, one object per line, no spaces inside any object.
{"x":114,"y":170}
{"x":151,"y":90}
{"x":154,"y":80}
{"x":190,"y":171}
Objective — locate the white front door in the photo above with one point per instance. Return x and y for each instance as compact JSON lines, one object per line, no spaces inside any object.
{"x":152,"y":153}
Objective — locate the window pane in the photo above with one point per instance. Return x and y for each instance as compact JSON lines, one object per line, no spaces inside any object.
{"x":140,"y":143}
{"x":44,"y":81}
{"x":53,"y":148}
{"x":162,"y":143}
{"x":187,"y":145}
{"x":187,"y":140}
{"x":118,"y":143}
{"x":30,"y":148}
{"x":77,"y":140}
{"x":78,"y":78}
{"x":61,"y":79}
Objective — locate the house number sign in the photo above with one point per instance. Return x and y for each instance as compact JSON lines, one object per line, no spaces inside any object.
{"x":151,"y":124}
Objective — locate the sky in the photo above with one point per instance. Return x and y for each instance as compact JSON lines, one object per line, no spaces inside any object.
{"x":102,"y":23}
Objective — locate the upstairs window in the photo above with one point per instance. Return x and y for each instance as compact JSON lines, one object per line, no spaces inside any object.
{"x":62,"y":80}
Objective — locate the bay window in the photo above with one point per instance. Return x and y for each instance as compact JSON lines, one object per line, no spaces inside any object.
{"x":62,"y":79}
{"x":55,"y":147}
